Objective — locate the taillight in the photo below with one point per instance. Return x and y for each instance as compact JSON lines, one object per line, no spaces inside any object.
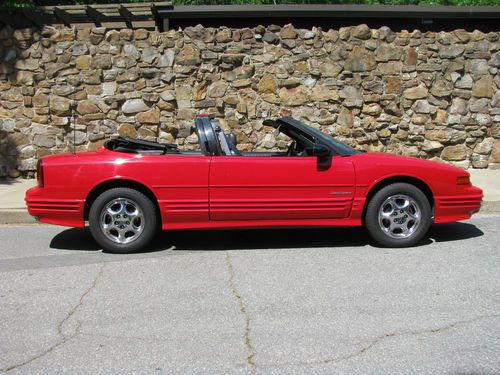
{"x":39,"y":173}
{"x":463,"y":180}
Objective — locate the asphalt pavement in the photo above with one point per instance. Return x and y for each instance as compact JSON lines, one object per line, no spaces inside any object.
{"x":305,"y":301}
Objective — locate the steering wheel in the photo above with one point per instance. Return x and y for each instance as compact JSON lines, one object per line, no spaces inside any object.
{"x":291,"y":149}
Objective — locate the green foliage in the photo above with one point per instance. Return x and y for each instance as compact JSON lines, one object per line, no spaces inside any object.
{"x":369,"y":2}
{"x":31,"y":3}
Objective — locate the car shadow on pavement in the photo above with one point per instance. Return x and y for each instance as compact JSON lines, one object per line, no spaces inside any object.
{"x":74,"y":239}
{"x":213,"y":240}
{"x":238,"y":239}
{"x":453,"y":232}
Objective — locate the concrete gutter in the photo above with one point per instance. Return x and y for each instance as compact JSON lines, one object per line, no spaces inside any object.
{"x":13,"y":209}
{"x":489,"y":181}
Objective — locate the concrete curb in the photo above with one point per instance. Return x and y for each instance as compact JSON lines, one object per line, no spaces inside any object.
{"x":492,"y":207}
{"x":15,"y":216}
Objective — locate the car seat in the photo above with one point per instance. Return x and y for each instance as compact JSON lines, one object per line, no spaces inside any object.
{"x":231,"y":142}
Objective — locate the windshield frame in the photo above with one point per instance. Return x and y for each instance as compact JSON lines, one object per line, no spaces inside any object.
{"x":336,"y":146}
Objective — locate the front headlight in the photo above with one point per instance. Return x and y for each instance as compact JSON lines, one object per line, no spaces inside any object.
{"x":463,"y":180}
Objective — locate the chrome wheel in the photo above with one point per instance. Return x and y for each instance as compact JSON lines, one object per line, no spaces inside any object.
{"x":122,"y":220}
{"x":399,"y":216}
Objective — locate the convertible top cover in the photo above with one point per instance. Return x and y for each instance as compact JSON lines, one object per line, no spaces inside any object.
{"x":126,"y":144}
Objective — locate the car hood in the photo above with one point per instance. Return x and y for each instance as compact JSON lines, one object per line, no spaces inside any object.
{"x":383,"y":159}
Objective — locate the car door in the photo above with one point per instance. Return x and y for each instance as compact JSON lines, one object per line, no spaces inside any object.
{"x":280,"y":187}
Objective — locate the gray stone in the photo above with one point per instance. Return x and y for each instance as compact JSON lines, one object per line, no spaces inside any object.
{"x":110,"y":75}
{"x":77,"y":137}
{"x":330,"y":69}
{"x":421,"y":106}
{"x":28,"y":64}
{"x":432,"y":146}
{"x":479,"y":105}
{"x":207,"y":103}
{"x":309,"y":82}
{"x":480,"y":161}
{"x":79,"y":49}
{"x":441,"y":88}
{"x":10,"y":55}
{"x":109,"y":88}
{"x":209,"y":55}
{"x":245,"y":71}
{"x":65,"y":90}
{"x":459,"y":106}
{"x":360,"y":60}
{"x":464,"y":82}
{"x":101,"y":62}
{"x":270,"y":37}
{"x":448,"y":52}
{"x":308,"y":35}
{"x":129,"y":50}
{"x":46,"y":141}
{"x":478,"y":66}
{"x":454,"y":76}
{"x":352,"y":97}
{"x":167,"y":95}
{"x":133,"y":106}
{"x":8,"y":125}
{"x":167,"y":77}
{"x":495,"y":59}
{"x":388,"y":52}
{"x":485,"y":146}
{"x":150,"y":55}
{"x":166,"y":60}
{"x":217,"y":89}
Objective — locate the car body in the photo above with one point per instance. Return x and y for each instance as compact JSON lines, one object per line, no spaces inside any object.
{"x":317,"y":182}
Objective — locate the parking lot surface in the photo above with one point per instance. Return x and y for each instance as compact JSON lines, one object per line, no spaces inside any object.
{"x":295,"y":301}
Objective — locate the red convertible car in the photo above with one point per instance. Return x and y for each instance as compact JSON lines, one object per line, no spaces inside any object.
{"x":129,"y":188}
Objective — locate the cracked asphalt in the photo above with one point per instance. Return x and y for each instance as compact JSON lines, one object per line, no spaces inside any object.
{"x":296,"y":301}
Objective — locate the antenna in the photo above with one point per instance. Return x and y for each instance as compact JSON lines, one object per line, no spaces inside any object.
{"x":73,"y":102}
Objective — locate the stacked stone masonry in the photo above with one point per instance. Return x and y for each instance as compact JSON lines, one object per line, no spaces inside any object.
{"x":433,"y":95}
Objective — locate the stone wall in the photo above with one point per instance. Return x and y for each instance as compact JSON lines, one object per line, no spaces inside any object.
{"x":430,"y":95}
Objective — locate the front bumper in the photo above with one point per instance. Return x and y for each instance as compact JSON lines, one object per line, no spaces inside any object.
{"x":458,"y":207}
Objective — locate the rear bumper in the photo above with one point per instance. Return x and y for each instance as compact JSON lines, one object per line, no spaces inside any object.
{"x":67,"y":212}
{"x":458,"y":207}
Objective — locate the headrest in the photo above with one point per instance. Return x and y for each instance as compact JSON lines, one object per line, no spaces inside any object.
{"x":232,"y":138}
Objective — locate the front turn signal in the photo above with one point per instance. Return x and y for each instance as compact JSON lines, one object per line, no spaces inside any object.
{"x":39,"y":173}
{"x":463,"y":180}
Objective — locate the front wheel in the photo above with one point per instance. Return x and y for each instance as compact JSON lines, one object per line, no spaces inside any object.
{"x":122,"y":220}
{"x":398,"y":215}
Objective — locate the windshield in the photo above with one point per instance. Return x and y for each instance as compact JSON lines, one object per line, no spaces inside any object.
{"x":339,"y":147}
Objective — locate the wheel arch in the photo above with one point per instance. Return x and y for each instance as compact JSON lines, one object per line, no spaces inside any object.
{"x":418,"y":183}
{"x":120,"y":183}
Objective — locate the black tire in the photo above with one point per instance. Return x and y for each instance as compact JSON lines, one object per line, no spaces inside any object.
{"x":109,"y":225}
{"x":390,"y":223}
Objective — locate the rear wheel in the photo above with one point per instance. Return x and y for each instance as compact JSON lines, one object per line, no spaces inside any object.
{"x":122,"y":220}
{"x":398,"y":215}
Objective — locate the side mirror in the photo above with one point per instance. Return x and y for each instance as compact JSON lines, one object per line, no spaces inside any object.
{"x":320,"y":150}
